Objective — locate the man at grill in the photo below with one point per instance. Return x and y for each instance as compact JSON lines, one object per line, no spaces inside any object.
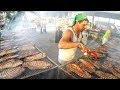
{"x":72,"y":39}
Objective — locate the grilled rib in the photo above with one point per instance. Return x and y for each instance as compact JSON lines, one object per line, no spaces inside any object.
{"x":27,"y":47}
{"x":8,"y":51}
{"x":8,"y":57}
{"x":35,"y":57}
{"x":11,"y":72}
{"x":76,"y":69}
{"x":105,"y":75}
{"x":87,"y":64}
{"x":10,"y":63}
{"x":37,"y":65}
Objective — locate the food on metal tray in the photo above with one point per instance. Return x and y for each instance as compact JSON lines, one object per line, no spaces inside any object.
{"x":76,"y":69}
{"x":8,"y":57}
{"x":5,"y":43}
{"x":10,"y":63}
{"x":117,"y":68}
{"x":87,"y":64}
{"x":27,"y":47}
{"x":112,"y":67}
{"x":107,"y":65}
{"x":35,"y":57}
{"x":83,"y":67}
{"x":11,"y":72}
{"x":105,"y":75}
{"x":102,"y":49}
{"x":26,"y":54}
{"x":4,"y":52}
{"x":114,"y":72}
{"x":100,"y":55}
{"x":37,"y":65}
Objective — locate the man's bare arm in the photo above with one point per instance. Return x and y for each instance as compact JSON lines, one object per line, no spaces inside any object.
{"x":66,"y":43}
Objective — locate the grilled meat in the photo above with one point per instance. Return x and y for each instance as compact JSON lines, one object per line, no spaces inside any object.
{"x":87,"y":64}
{"x":8,"y":57}
{"x":27,"y":47}
{"x":10,"y":63}
{"x":8,"y":47}
{"x":76,"y":69}
{"x":102,"y":49}
{"x":4,"y":52}
{"x":117,"y":68}
{"x":37,"y":65}
{"x":114,"y":72}
{"x":26,"y":54}
{"x":107,"y":64}
{"x":83,"y":67}
{"x":11,"y":72}
{"x":113,"y":67}
{"x":97,"y":64}
{"x":100,"y":55}
{"x":105,"y":75}
{"x":35,"y":57}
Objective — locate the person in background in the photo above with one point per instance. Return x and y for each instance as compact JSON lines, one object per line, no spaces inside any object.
{"x":72,"y":39}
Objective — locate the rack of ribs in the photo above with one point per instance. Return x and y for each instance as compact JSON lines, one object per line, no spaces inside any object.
{"x":26,"y":47}
{"x":10,"y":63}
{"x":37,"y":65}
{"x":87,"y":64}
{"x":8,"y":57}
{"x":105,"y":75}
{"x":76,"y":69}
{"x":8,"y":51}
{"x":83,"y":67}
{"x":35,"y":57}
{"x":11,"y":72}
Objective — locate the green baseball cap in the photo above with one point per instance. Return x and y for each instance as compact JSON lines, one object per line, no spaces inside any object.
{"x":79,"y":17}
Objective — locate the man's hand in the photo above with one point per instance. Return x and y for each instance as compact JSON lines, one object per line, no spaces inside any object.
{"x":82,"y":47}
